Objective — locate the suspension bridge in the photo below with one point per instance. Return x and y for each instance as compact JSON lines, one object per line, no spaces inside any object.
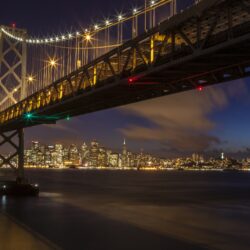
{"x":158,"y":49}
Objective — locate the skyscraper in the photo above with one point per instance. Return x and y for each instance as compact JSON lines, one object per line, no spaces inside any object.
{"x":74,"y":155}
{"x":93,"y":154}
{"x":84,"y":154}
{"x":124,"y":155}
{"x":59,"y":155}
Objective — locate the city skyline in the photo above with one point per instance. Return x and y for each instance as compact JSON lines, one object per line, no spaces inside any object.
{"x":94,"y":155}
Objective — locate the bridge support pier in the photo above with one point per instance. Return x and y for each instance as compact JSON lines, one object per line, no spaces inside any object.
{"x":16,"y":159}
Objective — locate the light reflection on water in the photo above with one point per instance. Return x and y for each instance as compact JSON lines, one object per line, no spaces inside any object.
{"x":4,"y":201}
{"x":50,"y":195}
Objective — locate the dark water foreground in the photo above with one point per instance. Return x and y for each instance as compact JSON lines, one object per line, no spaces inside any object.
{"x":114,"y":210}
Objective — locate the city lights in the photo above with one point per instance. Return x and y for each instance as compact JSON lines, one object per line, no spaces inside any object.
{"x":120,"y":17}
{"x":88,"y":37}
{"x":60,"y":38}
{"x":200,"y":88}
{"x":53,"y":62}
{"x":135,"y":11}
{"x":28,"y":116}
{"x":30,"y":79}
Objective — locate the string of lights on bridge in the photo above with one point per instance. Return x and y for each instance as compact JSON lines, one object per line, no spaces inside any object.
{"x":108,"y":23}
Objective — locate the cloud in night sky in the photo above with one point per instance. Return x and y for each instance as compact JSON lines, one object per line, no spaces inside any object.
{"x":183,"y":122}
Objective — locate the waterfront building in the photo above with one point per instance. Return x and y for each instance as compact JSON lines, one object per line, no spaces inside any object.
{"x":84,"y":154}
{"x":58,"y":155}
{"x":102,"y":157}
{"x":114,"y":160}
{"x":74,"y":156}
{"x":93,"y":154}
{"x":124,"y":155}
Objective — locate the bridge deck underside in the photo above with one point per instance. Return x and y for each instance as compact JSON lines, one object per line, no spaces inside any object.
{"x":224,"y":65}
{"x":198,"y":61}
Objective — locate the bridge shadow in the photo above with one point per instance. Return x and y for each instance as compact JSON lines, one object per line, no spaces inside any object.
{"x":69,"y":227}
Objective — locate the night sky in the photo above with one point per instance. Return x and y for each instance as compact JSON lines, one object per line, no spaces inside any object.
{"x":213,"y":120}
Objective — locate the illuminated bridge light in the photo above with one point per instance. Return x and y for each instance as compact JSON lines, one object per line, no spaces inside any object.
{"x":28,"y":116}
{"x":88,"y":37}
{"x":130,"y":80}
{"x":152,"y":3}
{"x":200,"y":88}
{"x":30,"y":79}
{"x":120,"y":17}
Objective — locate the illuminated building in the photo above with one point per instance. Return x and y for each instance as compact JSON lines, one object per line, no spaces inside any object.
{"x":74,"y":156}
{"x":124,"y":155}
{"x":84,"y":154}
{"x":28,"y":157}
{"x":102,"y":157}
{"x":114,"y":160}
{"x":37,"y":154}
{"x":59,"y":155}
{"x":48,"y":156}
{"x":93,"y":154}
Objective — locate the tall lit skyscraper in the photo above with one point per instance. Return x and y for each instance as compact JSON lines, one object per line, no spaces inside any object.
{"x":124,"y":155}
{"x":74,"y":155}
{"x":93,"y":154}
{"x":84,"y":154}
{"x":59,"y":155}
{"x":102,"y":157}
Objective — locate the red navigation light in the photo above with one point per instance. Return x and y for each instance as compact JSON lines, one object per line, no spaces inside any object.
{"x":200,"y":88}
{"x":13,"y":25}
{"x":131,"y":80}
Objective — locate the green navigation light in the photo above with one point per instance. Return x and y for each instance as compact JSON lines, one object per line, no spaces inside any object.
{"x":28,"y":116}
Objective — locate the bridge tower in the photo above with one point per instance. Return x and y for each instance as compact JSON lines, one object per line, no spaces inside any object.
{"x":173,"y":7}
{"x":13,"y":63}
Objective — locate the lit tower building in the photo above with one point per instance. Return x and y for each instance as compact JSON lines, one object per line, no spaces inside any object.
{"x":102,"y":157}
{"x":114,"y":160}
{"x":84,"y":154}
{"x":65,"y":155}
{"x":37,"y":156}
{"x":48,"y":155}
{"x":35,"y":145}
{"x":28,"y":157}
{"x":93,"y":154}
{"x":124,"y":155}
{"x":59,"y":154}
{"x":74,"y":155}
